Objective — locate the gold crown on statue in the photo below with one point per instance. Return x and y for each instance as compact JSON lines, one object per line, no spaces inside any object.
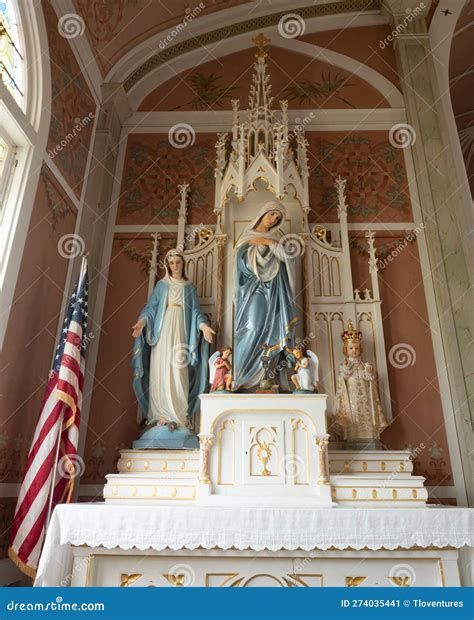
{"x":351,"y":334}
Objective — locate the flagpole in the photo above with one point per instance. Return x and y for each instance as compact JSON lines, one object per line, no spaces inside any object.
{"x":55,"y":468}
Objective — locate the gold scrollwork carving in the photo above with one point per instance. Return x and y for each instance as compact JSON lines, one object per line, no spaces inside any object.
{"x":401,"y":582}
{"x":353,"y":582}
{"x":127,"y":580}
{"x":176,"y":580}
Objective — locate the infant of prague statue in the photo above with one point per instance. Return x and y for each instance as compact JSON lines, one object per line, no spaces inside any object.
{"x":265,"y":312}
{"x":170,"y":359}
{"x":359,"y":418}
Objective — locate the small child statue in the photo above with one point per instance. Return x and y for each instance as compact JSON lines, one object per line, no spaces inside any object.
{"x":306,"y":368}
{"x":220,"y":370}
{"x":359,"y":417}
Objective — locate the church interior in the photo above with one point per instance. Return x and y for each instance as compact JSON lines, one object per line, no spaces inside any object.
{"x":139,"y":135}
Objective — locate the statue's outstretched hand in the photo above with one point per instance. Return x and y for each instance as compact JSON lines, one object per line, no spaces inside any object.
{"x":138,"y":327}
{"x":207,"y":332}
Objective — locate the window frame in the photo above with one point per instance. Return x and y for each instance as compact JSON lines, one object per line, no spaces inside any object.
{"x":28,"y":127}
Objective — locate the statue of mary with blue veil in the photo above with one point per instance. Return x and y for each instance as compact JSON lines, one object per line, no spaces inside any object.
{"x":170,"y":359}
{"x":265,"y":312}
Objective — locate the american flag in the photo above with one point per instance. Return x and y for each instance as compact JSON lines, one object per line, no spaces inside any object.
{"x":53,"y":460}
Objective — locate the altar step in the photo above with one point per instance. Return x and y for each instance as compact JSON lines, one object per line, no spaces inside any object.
{"x":163,"y":463}
{"x":369,"y":478}
{"x":129,"y":488}
{"x":369,"y":490}
{"x":375,"y":478}
{"x":380,"y":462}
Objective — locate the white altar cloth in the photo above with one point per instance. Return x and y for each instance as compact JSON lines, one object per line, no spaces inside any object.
{"x":258,"y":528}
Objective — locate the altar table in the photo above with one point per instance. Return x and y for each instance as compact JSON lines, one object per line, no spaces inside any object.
{"x":103,"y":544}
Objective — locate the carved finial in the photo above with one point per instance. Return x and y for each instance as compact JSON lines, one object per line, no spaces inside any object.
{"x":221,"y":152}
{"x":340,"y":185}
{"x":154,"y":253}
{"x":183,"y":190}
{"x":261,"y":41}
{"x":370,"y":236}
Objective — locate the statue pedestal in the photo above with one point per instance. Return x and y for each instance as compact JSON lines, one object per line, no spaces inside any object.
{"x":263,"y":449}
{"x":161,"y":438}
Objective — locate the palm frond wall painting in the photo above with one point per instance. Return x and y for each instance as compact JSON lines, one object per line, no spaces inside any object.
{"x":208,"y":92}
{"x":311,"y":90}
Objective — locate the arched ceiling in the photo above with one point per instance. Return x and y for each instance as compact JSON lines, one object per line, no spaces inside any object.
{"x":115,"y":29}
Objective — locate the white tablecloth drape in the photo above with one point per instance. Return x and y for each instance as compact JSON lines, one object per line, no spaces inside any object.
{"x":258,"y":528}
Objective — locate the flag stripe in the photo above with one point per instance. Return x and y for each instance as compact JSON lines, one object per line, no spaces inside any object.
{"x":44,"y":460}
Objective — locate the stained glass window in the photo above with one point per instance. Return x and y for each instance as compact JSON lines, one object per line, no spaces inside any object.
{"x":11,"y":57}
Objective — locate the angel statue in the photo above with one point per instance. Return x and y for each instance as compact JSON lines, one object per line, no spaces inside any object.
{"x":306,"y":375}
{"x":264,"y":295}
{"x":220,"y":370}
{"x":359,"y":418}
{"x":169,"y":359}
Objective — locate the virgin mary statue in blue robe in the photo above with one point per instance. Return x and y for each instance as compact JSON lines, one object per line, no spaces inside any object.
{"x":265,"y":312}
{"x":170,"y":362}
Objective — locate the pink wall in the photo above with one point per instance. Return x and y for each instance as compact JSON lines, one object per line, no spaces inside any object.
{"x":72,"y":107}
